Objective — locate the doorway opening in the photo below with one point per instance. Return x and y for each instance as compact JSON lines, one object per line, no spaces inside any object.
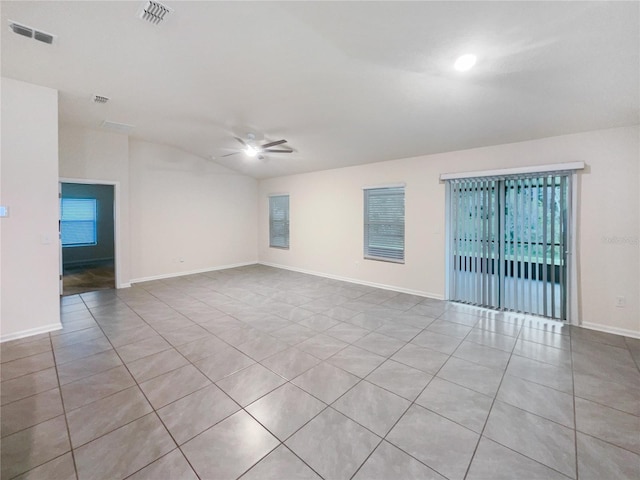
{"x":87,"y":237}
{"x":509,"y":243}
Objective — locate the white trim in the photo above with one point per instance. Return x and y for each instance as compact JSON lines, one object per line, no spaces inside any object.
{"x":278,"y":195}
{"x":573,"y":307}
{"x":386,"y":185}
{"x":613,"y":330}
{"x":190,"y":272}
{"x":52,"y":327}
{"x":393,"y":288}
{"x":117,"y":244}
{"x":124,"y":285}
{"x":555,"y":167}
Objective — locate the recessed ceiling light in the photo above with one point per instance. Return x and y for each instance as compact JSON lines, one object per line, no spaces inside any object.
{"x":465,"y":62}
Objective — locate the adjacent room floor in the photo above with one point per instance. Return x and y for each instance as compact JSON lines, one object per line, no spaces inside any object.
{"x":262,"y":373}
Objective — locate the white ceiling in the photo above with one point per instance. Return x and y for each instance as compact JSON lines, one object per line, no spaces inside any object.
{"x":345,"y":83}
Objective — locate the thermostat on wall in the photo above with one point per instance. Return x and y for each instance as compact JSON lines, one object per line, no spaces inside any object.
{"x":4,"y":211}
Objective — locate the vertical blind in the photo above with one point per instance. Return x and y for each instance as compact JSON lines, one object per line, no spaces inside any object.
{"x":279,"y":221}
{"x":78,"y":218}
{"x":384,"y":223}
{"x":509,"y":241}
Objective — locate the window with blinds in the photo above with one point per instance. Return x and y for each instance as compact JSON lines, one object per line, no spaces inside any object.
{"x":384,"y":224}
{"x":78,"y":219}
{"x":279,"y":221}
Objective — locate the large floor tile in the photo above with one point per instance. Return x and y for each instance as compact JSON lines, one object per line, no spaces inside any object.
{"x":471,"y":375}
{"x":28,"y":385}
{"x":33,"y":446}
{"x":372,"y":407}
{"x":249,"y":384}
{"x":81,"y":350}
{"x":543,"y":373}
{"x":105,"y":415}
{"x":285,"y":410}
{"x":333,"y":445}
{"x":262,"y":347}
{"x":355,"y":360}
{"x":482,"y":355}
{"x":26,"y":365}
{"x":85,"y":367}
{"x":123,"y":451}
{"x":290,"y":363}
{"x":495,"y":462}
{"x":193,"y":414}
{"x":220,"y":365}
{"x":347,"y":332}
{"x":380,"y":344}
{"x":154,"y":365}
{"x":535,"y":398}
{"x":437,"y":341}
{"x":421,"y":358}
{"x":621,"y":396}
{"x":400,"y":379}
{"x":389,"y":462}
{"x":322,"y":346}
{"x":459,"y":404}
{"x":326,"y":382}
{"x":172,"y":466}
{"x":90,"y":389}
{"x":60,"y":468}
{"x":621,"y":429}
{"x":11,"y":352}
{"x":279,"y":465}
{"x":134,"y":351}
{"x":202,"y":348}
{"x":543,"y":353}
{"x":31,"y":411}
{"x":173,"y":385}
{"x":230,"y":448}
{"x":598,"y":460}
{"x":447,"y":448}
{"x":535,"y":437}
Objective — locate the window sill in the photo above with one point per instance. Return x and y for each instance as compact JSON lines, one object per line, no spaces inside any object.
{"x":279,"y":248}
{"x":383,"y":259}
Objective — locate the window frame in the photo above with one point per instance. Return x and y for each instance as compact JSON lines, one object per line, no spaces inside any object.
{"x":285,"y":222}
{"x":94,"y":221}
{"x":367,"y":247}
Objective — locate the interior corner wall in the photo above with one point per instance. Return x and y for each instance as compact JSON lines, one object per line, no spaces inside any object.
{"x":326,"y":219}
{"x":188,"y":214}
{"x":87,"y":154}
{"x":29,"y":187}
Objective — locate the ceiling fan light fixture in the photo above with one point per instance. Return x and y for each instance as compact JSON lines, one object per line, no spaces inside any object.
{"x":251,"y":151}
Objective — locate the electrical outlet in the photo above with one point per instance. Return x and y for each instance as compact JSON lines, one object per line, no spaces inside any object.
{"x":621,"y":302}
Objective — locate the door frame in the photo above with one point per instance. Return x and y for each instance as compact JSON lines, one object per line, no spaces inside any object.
{"x":573,"y":305}
{"x":116,"y":224}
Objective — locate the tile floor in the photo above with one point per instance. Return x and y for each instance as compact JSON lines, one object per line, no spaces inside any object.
{"x":261,"y":373}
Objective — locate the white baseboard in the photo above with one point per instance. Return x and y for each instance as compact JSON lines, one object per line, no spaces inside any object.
{"x":615,"y":330}
{"x":393,"y":288}
{"x":124,"y":285}
{"x":191,"y":272}
{"x":32,"y":331}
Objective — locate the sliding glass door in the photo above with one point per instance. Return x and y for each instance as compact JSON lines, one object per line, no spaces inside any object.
{"x":508,"y":243}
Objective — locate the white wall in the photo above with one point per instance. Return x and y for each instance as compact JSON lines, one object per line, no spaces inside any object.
{"x":94,"y":155}
{"x":188,"y":214}
{"x":327,"y":232}
{"x":29,"y":186}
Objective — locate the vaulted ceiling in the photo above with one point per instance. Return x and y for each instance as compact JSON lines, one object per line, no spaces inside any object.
{"x":345,"y":83}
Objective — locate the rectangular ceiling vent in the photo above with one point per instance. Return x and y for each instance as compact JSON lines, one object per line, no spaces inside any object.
{"x":117,"y":127}
{"x":31,"y":32}
{"x":100,"y":99}
{"x":154,"y":12}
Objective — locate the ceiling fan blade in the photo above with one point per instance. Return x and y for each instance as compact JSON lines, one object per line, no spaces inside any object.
{"x":275,"y":150}
{"x":272,"y":144}
{"x":241,"y":141}
{"x":229,"y":154}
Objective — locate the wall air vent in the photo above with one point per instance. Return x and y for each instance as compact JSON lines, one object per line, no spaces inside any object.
{"x":100,"y":99}
{"x":117,"y":127}
{"x":154,"y":12}
{"x":31,"y":32}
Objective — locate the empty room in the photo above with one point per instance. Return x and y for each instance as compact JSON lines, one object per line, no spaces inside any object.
{"x":320,"y":240}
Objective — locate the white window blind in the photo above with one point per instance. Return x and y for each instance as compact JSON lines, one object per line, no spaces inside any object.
{"x":78,"y":218}
{"x":279,"y":221}
{"x":384,"y":224}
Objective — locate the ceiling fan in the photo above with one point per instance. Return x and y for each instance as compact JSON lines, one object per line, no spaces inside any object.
{"x":252,"y":149}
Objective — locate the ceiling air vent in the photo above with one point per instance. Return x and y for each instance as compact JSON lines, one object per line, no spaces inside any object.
{"x":31,"y":32}
{"x":100,"y":99}
{"x":154,"y":12}
{"x":117,"y":127}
